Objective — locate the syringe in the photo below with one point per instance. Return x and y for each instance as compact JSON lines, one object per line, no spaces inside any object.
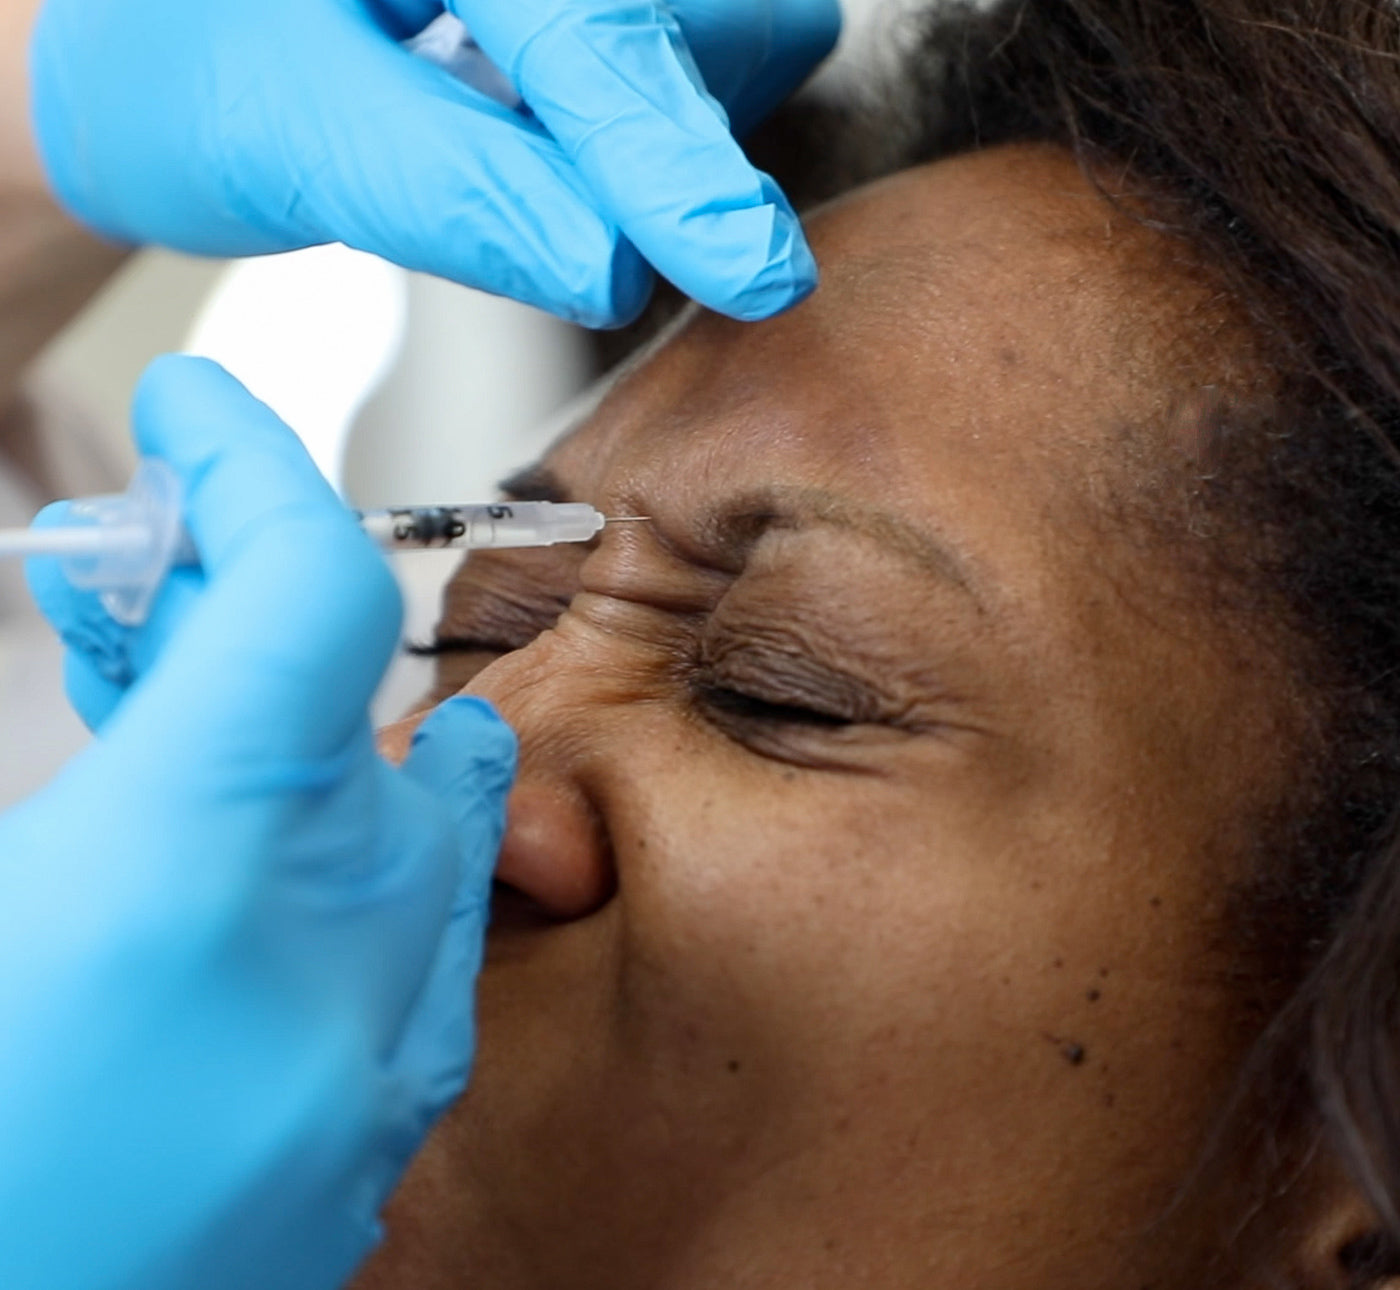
{"x":123,"y":545}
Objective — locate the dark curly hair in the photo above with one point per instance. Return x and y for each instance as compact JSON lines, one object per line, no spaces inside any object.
{"x":1264,"y":135}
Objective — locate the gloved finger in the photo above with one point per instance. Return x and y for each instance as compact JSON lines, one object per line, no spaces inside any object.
{"x":372,"y":861}
{"x":90,"y":694}
{"x":751,"y":54}
{"x":401,"y":19}
{"x":273,"y":667}
{"x":464,"y":756}
{"x":754,"y":53}
{"x":461,"y":188}
{"x":237,"y":461}
{"x":87,"y":631}
{"x":96,"y":683}
{"x":616,"y":86}
{"x":496,"y":204}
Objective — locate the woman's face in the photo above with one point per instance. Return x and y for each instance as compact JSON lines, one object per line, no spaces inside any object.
{"x":861,"y":914}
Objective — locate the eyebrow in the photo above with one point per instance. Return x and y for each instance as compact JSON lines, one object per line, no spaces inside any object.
{"x":744,"y":520}
{"x":731,"y":531}
{"x":535,"y":483}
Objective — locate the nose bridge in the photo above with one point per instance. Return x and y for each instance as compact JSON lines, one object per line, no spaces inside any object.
{"x":553,"y":692}
{"x":557,"y":849}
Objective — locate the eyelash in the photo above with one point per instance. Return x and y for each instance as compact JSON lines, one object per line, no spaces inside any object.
{"x":439,"y":647}
{"x":751,"y":707}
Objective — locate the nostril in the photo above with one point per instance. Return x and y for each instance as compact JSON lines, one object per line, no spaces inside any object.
{"x":555,"y":852}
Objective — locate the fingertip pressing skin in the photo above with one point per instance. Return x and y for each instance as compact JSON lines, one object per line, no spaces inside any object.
{"x":465,"y":754}
{"x":789,"y":274}
{"x":621,"y":98}
{"x":287,"y":151}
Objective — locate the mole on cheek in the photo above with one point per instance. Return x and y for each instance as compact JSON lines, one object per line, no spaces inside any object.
{"x":1074,"y":1053}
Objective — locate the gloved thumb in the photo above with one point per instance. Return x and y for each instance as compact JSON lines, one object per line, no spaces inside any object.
{"x":464,"y":755}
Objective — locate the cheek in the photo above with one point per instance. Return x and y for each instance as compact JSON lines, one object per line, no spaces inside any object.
{"x":861,"y":960}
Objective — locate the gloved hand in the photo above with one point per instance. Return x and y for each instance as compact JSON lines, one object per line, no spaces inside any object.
{"x":237,"y":948}
{"x":237,"y":127}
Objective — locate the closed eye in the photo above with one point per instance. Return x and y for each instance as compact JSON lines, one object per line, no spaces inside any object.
{"x":749,"y":707}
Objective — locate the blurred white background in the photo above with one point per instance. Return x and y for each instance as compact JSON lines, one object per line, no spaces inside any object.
{"x":464,"y":388}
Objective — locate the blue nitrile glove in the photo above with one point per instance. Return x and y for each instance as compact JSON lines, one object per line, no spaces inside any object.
{"x":236,"y":127}
{"x":237,"y":948}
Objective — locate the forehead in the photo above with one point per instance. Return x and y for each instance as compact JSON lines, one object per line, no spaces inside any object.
{"x":989,"y":318}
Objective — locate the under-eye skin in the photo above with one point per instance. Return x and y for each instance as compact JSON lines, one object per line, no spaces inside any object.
{"x":498,"y":602}
{"x":456,"y":663}
{"x":485,"y":641}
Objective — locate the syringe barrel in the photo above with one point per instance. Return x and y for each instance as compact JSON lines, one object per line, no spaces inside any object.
{"x":481,"y":527}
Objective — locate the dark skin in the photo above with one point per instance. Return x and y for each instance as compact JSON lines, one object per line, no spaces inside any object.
{"x":862,"y":911}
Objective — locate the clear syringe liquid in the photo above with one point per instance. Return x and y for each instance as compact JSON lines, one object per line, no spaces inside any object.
{"x":481,"y":526}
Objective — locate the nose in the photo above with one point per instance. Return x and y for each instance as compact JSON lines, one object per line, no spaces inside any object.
{"x":556,"y":851}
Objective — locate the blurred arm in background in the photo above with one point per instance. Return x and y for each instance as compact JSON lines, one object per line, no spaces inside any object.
{"x":49,"y":266}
